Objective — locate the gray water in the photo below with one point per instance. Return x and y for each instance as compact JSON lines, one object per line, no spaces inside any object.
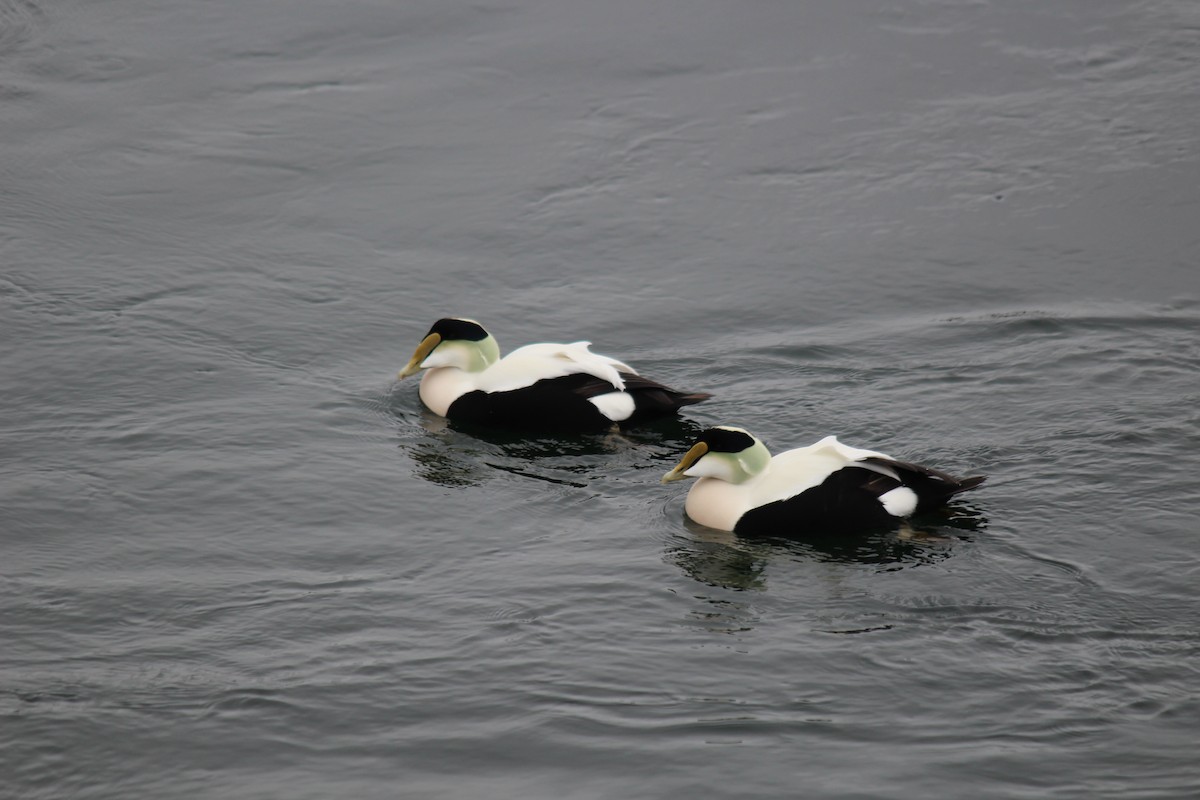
{"x":239,"y":561}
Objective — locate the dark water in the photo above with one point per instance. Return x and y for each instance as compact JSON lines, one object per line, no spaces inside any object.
{"x":238,"y":561}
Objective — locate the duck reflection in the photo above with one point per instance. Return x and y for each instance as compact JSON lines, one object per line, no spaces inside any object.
{"x":452,"y":453}
{"x":731,"y":561}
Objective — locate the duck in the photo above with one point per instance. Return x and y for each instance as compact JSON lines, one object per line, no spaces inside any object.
{"x":825,"y":488}
{"x":544,"y":386}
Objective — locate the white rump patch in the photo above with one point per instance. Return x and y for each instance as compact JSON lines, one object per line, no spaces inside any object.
{"x":617,"y":406}
{"x":899,"y":502}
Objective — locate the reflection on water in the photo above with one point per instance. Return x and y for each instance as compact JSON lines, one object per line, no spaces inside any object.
{"x":446,"y":466}
{"x":452,"y":453}
{"x":722,"y":615}
{"x":729,"y":564}
{"x":667,"y":431}
{"x":727,"y":560}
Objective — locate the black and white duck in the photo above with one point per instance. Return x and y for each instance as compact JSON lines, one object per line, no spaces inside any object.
{"x":544,"y":386}
{"x":826,"y":487}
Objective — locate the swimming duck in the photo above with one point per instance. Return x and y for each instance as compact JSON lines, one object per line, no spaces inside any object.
{"x":826,"y":487}
{"x":539,"y":386}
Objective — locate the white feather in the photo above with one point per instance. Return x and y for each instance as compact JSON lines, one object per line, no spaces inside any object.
{"x":793,"y":471}
{"x":527,"y":365}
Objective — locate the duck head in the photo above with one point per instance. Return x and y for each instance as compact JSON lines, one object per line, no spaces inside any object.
{"x":454,"y":342}
{"x":725,"y":453}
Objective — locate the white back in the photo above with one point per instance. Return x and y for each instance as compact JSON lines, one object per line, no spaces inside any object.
{"x":534,"y":362}
{"x":793,"y":471}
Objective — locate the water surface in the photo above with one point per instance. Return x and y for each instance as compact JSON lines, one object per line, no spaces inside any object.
{"x":240,"y":561}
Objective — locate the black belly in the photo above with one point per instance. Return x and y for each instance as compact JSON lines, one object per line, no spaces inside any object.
{"x":536,"y":408}
{"x":846,"y":502}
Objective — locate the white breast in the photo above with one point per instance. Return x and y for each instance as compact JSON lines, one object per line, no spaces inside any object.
{"x":717,"y":503}
{"x":441,"y":386}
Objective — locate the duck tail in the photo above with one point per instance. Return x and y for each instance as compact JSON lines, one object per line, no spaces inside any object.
{"x":967,"y":484}
{"x":692,"y":399}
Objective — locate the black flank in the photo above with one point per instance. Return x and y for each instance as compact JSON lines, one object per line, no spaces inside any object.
{"x":847,"y":500}
{"x":561,"y":404}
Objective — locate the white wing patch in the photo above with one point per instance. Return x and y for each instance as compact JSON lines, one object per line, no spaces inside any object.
{"x":527,"y":365}
{"x":617,"y":406}
{"x":899,"y":502}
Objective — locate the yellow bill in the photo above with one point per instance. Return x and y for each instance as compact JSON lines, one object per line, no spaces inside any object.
{"x":423,"y":350}
{"x":689,"y":459}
